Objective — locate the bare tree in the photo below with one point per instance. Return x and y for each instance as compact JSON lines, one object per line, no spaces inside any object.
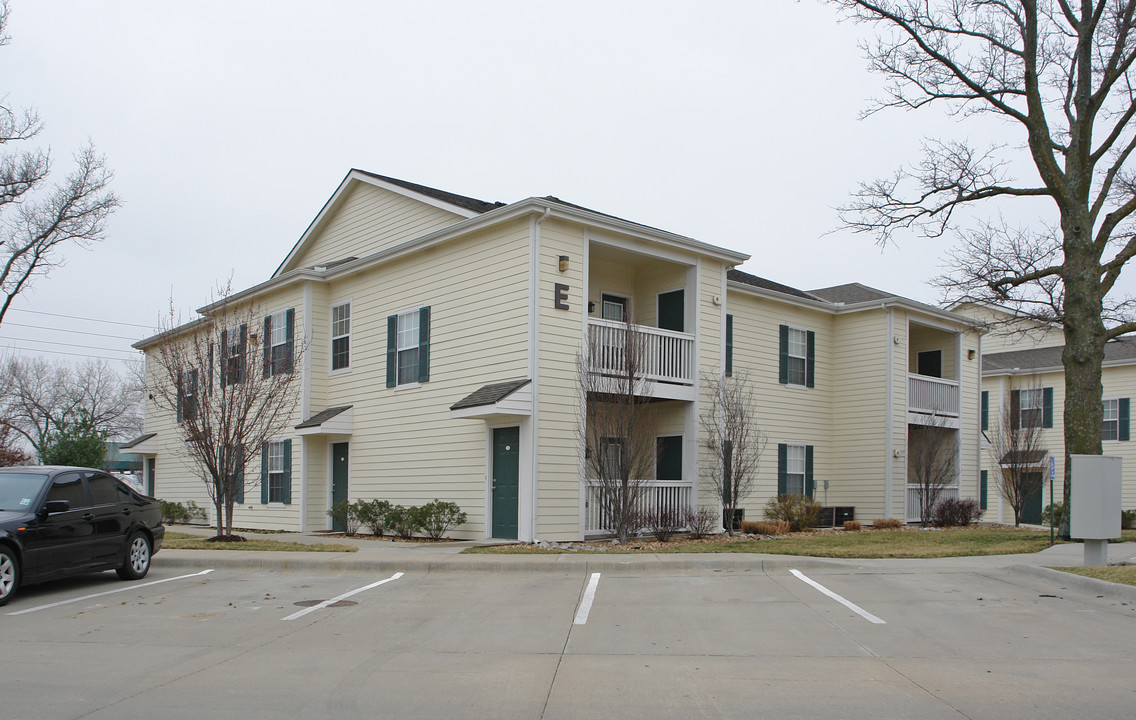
{"x":1060,"y":74}
{"x":932,"y":462}
{"x":729,"y":424}
{"x":229,"y":399}
{"x":1015,"y":449}
{"x":37,"y":218}
{"x":618,"y":424}
{"x":40,"y":397}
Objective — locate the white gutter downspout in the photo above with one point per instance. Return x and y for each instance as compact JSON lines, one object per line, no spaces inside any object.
{"x":534,"y":361}
{"x":305,"y":404}
{"x":890,"y":420}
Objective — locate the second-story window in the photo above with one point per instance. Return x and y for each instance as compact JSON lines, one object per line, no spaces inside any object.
{"x":1031,"y":408}
{"x":797,"y":351}
{"x":408,"y":347}
{"x":278,"y":342}
{"x":341,"y":336}
{"x":233,"y":340}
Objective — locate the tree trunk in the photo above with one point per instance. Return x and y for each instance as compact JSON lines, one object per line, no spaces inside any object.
{"x":219,"y":508}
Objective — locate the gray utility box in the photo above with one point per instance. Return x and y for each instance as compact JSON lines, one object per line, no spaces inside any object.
{"x":1095,"y":496}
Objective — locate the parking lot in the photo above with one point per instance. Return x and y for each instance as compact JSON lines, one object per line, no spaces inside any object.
{"x":936,"y":642}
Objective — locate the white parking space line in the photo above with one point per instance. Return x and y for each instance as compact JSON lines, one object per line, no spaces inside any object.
{"x":125,"y":588}
{"x":344,"y":596}
{"x":586,"y":601}
{"x":850,"y":605}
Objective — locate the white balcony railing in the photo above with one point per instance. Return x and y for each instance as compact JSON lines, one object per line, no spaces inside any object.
{"x":668,"y":495}
{"x":932,"y":395}
{"x":669,"y":355}
{"x":913,"y":506}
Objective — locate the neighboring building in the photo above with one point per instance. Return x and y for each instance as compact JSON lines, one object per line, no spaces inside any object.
{"x":441,"y":338}
{"x":1023,"y":375}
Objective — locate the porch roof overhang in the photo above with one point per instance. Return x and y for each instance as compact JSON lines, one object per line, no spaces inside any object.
{"x":1024,"y":458}
{"x":142,"y":445}
{"x":504,"y":399}
{"x":333,"y":421}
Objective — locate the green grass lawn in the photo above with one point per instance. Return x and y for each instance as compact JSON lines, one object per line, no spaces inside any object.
{"x":185,"y":541}
{"x":1125,"y":575}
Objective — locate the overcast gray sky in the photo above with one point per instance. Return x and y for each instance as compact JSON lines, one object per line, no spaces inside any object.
{"x":229,"y":124}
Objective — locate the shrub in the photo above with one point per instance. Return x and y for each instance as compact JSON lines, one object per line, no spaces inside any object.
{"x":664,"y":523}
{"x":1127,"y":519}
{"x":700,"y":522}
{"x":852,"y":525}
{"x":887,"y":524}
{"x":749,"y":527}
{"x":953,"y":512}
{"x":372,"y":514}
{"x":438,"y":517}
{"x":173,"y":512}
{"x":403,"y":521}
{"x":194,"y":511}
{"x":1058,"y":514}
{"x":343,"y":513}
{"x":800,"y":511}
{"x":775,"y":527}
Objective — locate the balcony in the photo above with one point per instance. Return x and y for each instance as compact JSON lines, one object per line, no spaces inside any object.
{"x":929,"y":398}
{"x":913,"y":505}
{"x":665,"y":495}
{"x":668,"y":362}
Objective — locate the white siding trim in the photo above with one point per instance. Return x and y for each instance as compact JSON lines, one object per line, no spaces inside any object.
{"x":890,"y":421}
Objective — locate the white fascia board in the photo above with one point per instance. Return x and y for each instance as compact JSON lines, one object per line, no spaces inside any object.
{"x":171,"y":333}
{"x":953,"y":321}
{"x":149,"y":446}
{"x":746,"y":289}
{"x":274,"y":283}
{"x":1010,"y":372}
{"x":516,"y":404}
{"x":341,"y":424}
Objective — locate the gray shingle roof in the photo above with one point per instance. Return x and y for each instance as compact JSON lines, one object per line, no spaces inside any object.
{"x":321,"y":417}
{"x":137,"y":441}
{"x":489,"y":394}
{"x":852,"y":293}
{"x":748,"y":279}
{"x":478,"y":206}
{"x":1050,"y":357}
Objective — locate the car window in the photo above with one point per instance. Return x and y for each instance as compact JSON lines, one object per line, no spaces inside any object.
{"x":69,"y":487}
{"x":104,"y":490}
{"x":19,"y":490}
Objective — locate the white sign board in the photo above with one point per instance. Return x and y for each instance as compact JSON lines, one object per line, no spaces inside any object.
{"x":1095,"y":495}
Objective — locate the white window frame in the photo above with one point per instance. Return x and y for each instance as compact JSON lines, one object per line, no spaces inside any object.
{"x":625,"y":305}
{"x":803,"y":344}
{"x":1036,"y":395}
{"x":232,"y":351}
{"x":1114,"y":403}
{"x":188,"y":381}
{"x":275,"y":470}
{"x":414,"y":314}
{"x":792,"y":462}
{"x":332,"y":337}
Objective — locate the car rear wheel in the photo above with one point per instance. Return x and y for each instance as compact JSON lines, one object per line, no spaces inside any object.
{"x":137,"y":561}
{"x":9,"y":575}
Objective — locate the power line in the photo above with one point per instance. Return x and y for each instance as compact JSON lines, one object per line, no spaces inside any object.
{"x":49,"y":342}
{"x":77,"y":317}
{"x":80,"y":332}
{"x":60,"y":352}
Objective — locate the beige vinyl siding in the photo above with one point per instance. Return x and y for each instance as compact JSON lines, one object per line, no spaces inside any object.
{"x":709,"y":340}
{"x":369,"y":219}
{"x":970,"y":418}
{"x":1004,"y":332}
{"x":558,"y":480}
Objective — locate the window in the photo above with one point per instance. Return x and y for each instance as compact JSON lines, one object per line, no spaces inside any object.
{"x":611,"y":456}
{"x":408,"y":347}
{"x":69,"y":487}
{"x":187,"y":395}
{"x":233,"y":342}
{"x":341,"y":337}
{"x":1115,"y":426}
{"x":276,"y":472}
{"x":797,"y":355}
{"x":278,"y":342}
{"x":1031,"y":408}
{"x":613,"y":307}
{"x":795,"y":469}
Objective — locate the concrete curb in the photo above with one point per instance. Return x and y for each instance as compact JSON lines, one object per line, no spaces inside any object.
{"x":1114,"y":591}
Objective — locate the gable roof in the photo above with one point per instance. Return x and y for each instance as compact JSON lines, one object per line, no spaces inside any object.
{"x":490,"y":394}
{"x":473,"y":204}
{"x":1116,"y":352}
{"x":851,"y":293}
{"x":759,"y":282}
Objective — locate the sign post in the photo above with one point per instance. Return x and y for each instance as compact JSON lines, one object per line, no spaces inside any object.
{"x":1052,"y":472}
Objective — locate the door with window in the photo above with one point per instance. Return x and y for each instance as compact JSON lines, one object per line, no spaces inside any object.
{"x":505,"y":481}
{"x":339,"y":474}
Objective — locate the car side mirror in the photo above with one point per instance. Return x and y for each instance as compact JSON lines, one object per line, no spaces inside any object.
{"x":56,"y":506}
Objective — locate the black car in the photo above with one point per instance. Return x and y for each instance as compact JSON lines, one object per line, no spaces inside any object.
{"x":58,"y":521}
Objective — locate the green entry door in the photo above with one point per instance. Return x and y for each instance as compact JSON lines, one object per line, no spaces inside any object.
{"x":339,"y":452}
{"x":506,"y":467}
{"x":672,"y":310}
{"x":1031,"y":508}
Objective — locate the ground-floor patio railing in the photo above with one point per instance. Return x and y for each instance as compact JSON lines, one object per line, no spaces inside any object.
{"x":914,"y":500}
{"x":654,"y":495}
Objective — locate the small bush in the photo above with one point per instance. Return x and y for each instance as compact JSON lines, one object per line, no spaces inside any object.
{"x":852,"y":525}
{"x":749,"y":527}
{"x":403,"y":521}
{"x":438,"y":517}
{"x":701,"y":522}
{"x":372,"y":514}
{"x":775,"y":527}
{"x":194,"y":511}
{"x":953,"y":512}
{"x":1058,"y":514}
{"x":173,"y":512}
{"x":887,"y":524}
{"x":664,"y":523}
{"x":1127,"y":519}
{"x":343,"y":513}
{"x":800,"y":511}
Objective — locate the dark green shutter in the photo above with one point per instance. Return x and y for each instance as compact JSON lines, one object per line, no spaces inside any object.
{"x":1047,"y":407}
{"x":783,"y":356}
{"x":210,"y":368}
{"x":392,"y":350}
{"x":810,"y":484}
{"x":1122,"y":419}
{"x":424,"y":344}
{"x":729,"y":344}
{"x":1015,"y":409}
{"x":289,"y":330}
{"x":267,"y":346}
{"x":983,"y":490}
{"x":782,"y":468}
{"x":241,"y":369}
{"x":224,"y":357}
{"x":287,"y":472}
{"x":239,"y":490}
{"x":264,"y":474}
{"x":985,"y":412}
{"x":810,"y":362}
